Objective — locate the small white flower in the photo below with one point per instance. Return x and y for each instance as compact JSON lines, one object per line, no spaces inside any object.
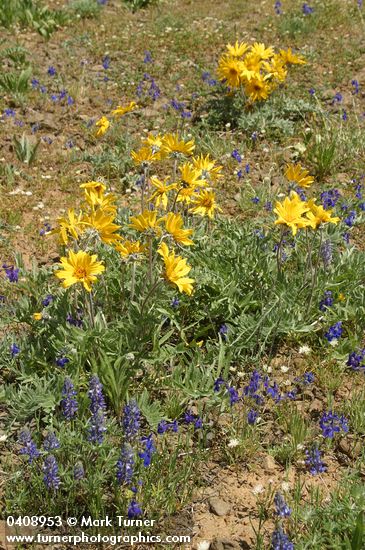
{"x":304,"y":350}
{"x":3,"y":438}
{"x":258,"y":489}
{"x":334,"y":342}
{"x":203,"y":545}
{"x":233,"y":443}
{"x":285,"y":486}
{"x":284,"y":368}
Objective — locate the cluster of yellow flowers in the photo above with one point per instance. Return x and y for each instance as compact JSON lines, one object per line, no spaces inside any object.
{"x":171,"y":199}
{"x":165,"y":205}
{"x":103,"y":123}
{"x":296,"y":213}
{"x":256,"y":69}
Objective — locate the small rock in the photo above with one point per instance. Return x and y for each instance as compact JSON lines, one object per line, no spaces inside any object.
{"x":218,"y":507}
{"x":225,"y":544}
{"x":277,"y":361}
{"x":349,"y":447}
{"x":269,"y":463}
{"x":316,"y":406}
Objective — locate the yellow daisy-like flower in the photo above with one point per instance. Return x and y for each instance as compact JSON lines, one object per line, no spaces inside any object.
{"x":95,"y":196}
{"x":186,"y":194}
{"x":37,"y":316}
{"x":251,"y":66}
{"x":229,"y":71}
{"x":275,"y":68}
{"x":120,"y":111}
{"x":207,"y":168}
{"x":146,"y":221}
{"x":176,"y":270}
{"x":291,"y":213}
{"x":259,"y":49}
{"x":174,"y":225}
{"x":155,"y":143}
{"x":160,"y":196}
{"x":318,"y":215}
{"x":299,"y":175}
{"x":102,"y":125}
{"x":289,"y":57}
{"x":171,"y":144}
{"x":144,"y":156}
{"x":205,"y":204}
{"x":238,"y":49}
{"x":71,"y":225}
{"x":96,"y":187}
{"x":190,"y":176}
{"x":79,"y":267}
{"x":103,"y":224}
{"x":257,"y":88}
{"x":130,"y":248}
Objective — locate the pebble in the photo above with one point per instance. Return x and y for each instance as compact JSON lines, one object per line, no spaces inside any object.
{"x":218,"y":506}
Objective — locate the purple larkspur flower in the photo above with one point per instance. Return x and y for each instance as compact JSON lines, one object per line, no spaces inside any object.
{"x":281,"y":507}
{"x":164,"y":427}
{"x":29,"y":447}
{"x":62,"y":361}
{"x":97,"y":427}
{"x":233,"y":395}
{"x":149,"y":450}
{"x":47,"y":300}
{"x":50,"y":470}
{"x":134,"y":510}
{"x":355,"y":360}
{"x":252,"y":416}
{"x":280,"y":540}
{"x":235,"y":155}
{"x":326,"y":253}
{"x":330,"y":424}
{"x":131,"y":420}
{"x":51,"y":442}
{"x":327,"y":301}
{"x":147,"y":57}
{"x":314,"y":461}
{"x":125,"y":465}
{"x":306,"y":9}
{"x":96,"y":395}
{"x":350,"y":219}
{"x":14,"y":350}
{"x":11,"y":273}
{"x":277,"y":7}
{"x":223,"y":331}
{"x":106,"y":62}
{"x":334,"y":332}
{"x":68,"y":403}
{"x":356,"y":86}
{"x":218,"y":383}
